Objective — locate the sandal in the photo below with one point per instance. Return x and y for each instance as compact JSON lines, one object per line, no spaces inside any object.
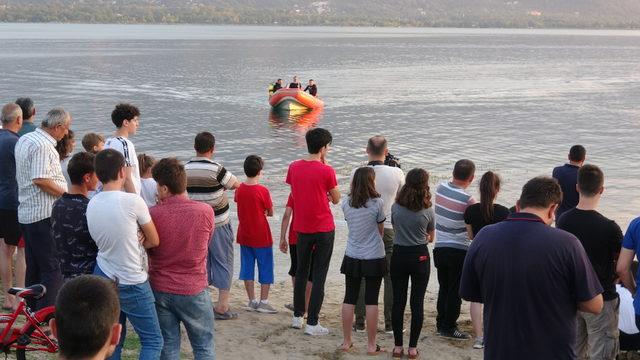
{"x":416,"y":356}
{"x":228,"y":315}
{"x":379,"y":350}
{"x":348,"y":350}
{"x":397,"y":355}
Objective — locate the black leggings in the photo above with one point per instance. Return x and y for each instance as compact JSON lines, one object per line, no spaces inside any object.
{"x":409,"y":262}
{"x":371,"y":289}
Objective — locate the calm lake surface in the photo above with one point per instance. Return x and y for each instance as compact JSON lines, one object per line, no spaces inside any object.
{"x":513,"y":101}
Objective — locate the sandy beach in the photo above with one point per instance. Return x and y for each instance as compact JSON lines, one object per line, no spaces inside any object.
{"x":261,"y":336}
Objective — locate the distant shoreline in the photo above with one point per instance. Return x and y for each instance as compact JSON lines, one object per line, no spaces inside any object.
{"x":336,"y":25}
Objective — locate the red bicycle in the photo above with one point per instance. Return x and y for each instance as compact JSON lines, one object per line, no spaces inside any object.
{"x":27,"y":336}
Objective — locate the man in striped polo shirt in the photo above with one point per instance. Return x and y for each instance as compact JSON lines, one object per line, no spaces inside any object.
{"x":207,"y":182}
{"x":451,"y":246}
{"x":40,"y":183}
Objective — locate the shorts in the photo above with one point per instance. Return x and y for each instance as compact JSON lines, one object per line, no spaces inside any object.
{"x":10,"y":227}
{"x":220,"y":257}
{"x":293,"y":253}
{"x":248,"y":258}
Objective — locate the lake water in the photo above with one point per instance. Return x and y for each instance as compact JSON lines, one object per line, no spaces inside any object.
{"x":513,"y":101}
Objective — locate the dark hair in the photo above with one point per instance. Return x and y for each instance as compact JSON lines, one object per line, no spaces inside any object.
{"x":317,"y":139}
{"x":90,"y":140}
{"x":122,"y":112}
{"x":80,"y":165}
{"x":377,"y":145}
{"x":64,"y":145}
{"x":145,"y":162}
{"x":489,"y":187}
{"x":27,"y":106}
{"x":464,"y":169}
{"x":108,"y":164}
{"x":170,"y":173}
{"x":363,"y":187}
{"x":590,"y":180}
{"x":540,"y":192}
{"x":87,"y":308}
{"x":415,"y":194}
{"x":577,"y":153}
{"x":252,"y":165}
{"x":205,"y":141}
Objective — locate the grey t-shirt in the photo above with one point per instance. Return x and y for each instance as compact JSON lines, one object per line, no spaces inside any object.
{"x":411,"y":227}
{"x":364,"y":241}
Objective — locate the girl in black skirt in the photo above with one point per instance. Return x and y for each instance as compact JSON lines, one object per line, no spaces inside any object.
{"x":413,"y":220}
{"x":364,"y":256}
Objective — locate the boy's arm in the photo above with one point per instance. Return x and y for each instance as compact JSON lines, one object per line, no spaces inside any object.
{"x":286,"y":219}
{"x":269,"y":211}
{"x":334,"y":194}
{"x":128,"y":181}
{"x":151,"y":235}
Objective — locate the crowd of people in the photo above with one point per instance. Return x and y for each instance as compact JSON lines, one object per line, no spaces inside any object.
{"x":116,"y":236}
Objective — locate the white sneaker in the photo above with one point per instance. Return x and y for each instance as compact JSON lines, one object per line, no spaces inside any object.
{"x":315,"y":330}
{"x":479,"y":343}
{"x":266,"y":308}
{"x":297,"y":322}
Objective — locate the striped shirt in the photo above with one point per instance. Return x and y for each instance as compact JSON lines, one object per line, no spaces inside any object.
{"x":451,"y":230}
{"x":206,"y":182}
{"x":364,"y":241}
{"x":125,"y":147}
{"x":36,"y":158}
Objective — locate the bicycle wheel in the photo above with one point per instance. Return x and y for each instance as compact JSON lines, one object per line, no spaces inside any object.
{"x":21,"y":354}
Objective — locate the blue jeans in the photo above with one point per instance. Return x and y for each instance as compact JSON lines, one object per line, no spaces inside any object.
{"x":137,"y":305}
{"x":196,"y":313}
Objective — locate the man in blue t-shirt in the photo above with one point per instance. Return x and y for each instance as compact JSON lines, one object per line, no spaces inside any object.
{"x":567,"y":176}
{"x":532,"y":280}
{"x":630,"y":247}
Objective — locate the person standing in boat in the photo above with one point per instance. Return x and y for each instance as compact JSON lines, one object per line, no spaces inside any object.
{"x":295,"y":84}
{"x":312,"y":88}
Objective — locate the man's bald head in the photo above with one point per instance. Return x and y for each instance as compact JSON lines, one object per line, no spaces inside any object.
{"x":10,"y":114}
{"x":377,"y":146}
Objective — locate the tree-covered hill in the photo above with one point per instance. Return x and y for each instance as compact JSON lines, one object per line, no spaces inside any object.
{"x":455,"y":13}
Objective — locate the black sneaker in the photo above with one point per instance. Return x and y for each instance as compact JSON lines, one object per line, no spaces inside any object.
{"x":455,"y":335}
{"x":358,"y":328}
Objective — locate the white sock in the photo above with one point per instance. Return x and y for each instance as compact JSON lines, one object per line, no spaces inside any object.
{"x":265,"y":301}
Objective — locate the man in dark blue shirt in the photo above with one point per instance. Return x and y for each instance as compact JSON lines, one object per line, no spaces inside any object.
{"x":532,"y":279}
{"x":76,"y":249}
{"x":567,"y":176}
{"x":9,"y":227}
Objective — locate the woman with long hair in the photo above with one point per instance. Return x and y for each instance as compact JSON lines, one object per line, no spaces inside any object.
{"x":477,"y":216}
{"x":364,"y":256}
{"x":413,"y":219}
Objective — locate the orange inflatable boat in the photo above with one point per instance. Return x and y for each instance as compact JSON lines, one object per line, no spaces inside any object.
{"x":294,"y":99}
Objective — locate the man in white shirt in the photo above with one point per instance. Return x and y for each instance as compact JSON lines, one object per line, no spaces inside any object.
{"x":125,"y":118}
{"x":40,"y":183}
{"x":114,"y":218}
{"x":389,"y":180}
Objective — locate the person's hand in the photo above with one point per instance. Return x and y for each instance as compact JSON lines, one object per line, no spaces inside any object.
{"x":283,"y":245}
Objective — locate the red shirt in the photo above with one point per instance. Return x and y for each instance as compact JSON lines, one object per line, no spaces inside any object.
{"x":310,"y":182}
{"x":253,"y":228}
{"x":179,"y":264}
{"x":293,"y":236}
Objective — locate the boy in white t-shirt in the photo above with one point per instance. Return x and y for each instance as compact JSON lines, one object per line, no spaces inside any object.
{"x":113,"y":219}
{"x":125,"y":118}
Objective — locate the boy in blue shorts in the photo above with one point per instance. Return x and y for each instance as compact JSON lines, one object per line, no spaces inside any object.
{"x":254,"y":235}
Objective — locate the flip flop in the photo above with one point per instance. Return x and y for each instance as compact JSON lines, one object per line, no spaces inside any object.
{"x":397,"y":355}
{"x":350,"y":349}
{"x":228,"y":315}
{"x":378,"y":351}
